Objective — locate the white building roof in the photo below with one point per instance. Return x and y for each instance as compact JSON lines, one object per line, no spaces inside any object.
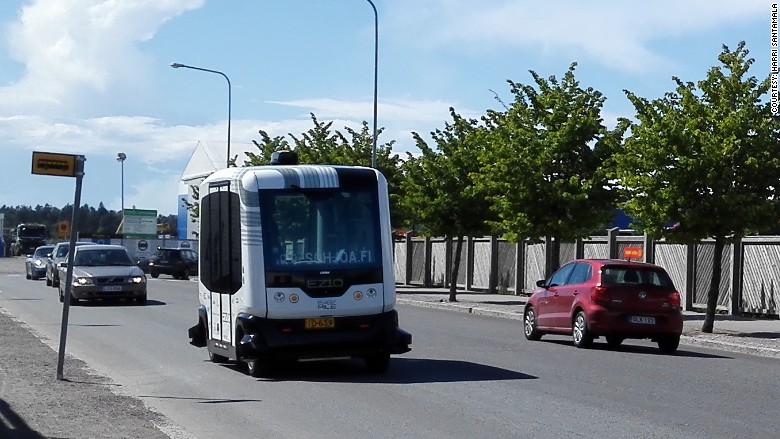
{"x":208,"y":157}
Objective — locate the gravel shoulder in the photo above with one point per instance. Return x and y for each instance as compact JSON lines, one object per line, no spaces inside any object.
{"x":34,"y":404}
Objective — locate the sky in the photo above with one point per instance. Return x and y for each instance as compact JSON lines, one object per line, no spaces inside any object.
{"x":93,"y":77}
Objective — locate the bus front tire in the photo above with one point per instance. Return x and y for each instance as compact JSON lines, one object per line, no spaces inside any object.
{"x":259,"y":368}
{"x":378,"y":363}
{"x":216,"y":358}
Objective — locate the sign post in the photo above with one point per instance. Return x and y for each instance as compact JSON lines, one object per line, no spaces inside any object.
{"x":63,"y":165}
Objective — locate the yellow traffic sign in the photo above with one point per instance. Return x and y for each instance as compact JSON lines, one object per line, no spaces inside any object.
{"x":47,"y":163}
{"x":63,"y":229}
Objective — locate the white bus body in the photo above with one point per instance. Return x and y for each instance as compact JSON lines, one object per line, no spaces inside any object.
{"x":296,"y":262}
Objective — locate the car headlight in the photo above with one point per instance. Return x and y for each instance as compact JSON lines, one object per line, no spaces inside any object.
{"x":81,"y":281}
{"x":138,"y":279}
{"x":38,"y":263}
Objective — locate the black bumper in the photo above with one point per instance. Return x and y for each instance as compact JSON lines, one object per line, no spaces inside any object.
{"x":352,"y":336}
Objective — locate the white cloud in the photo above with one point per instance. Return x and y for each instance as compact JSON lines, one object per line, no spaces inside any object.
{"x":615,"y":32}
{"x":72,"y":46}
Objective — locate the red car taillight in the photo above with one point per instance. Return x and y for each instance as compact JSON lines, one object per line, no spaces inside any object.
{"x":674,"y":300}
{"x":599,"y":295}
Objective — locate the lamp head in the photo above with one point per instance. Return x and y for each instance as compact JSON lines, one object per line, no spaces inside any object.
{"x":177,"y":65}
{"x":121,"y":157}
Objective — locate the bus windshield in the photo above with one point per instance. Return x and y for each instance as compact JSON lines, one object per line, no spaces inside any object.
{"x":316,"y":229}
{"x":32,"y":231}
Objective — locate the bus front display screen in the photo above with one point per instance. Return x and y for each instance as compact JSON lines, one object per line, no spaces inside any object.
{"x":320,"y":228}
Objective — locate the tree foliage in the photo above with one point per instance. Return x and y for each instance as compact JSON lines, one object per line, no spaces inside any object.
{"x":321,"y":144}
{"x":707,"y":156}
{"x":546,"y":159}
{"x":439,"y":190}
{"x":92,"y":221}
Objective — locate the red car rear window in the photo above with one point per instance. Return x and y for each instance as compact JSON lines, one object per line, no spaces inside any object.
{"x":635,"y":276}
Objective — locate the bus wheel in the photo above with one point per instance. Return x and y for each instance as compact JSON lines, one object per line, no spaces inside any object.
{"x":378,"y":363}
{"x":216,"y":358}
{"x":259,"y":368}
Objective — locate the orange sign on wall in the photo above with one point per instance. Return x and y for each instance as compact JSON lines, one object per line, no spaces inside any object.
{"x":63,"y":229}
{"x":632,"y":253}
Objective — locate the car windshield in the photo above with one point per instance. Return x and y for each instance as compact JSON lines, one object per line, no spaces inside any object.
{"x":102,"y":257}
{"x":625,"y":276}
{"x":41,"y":252}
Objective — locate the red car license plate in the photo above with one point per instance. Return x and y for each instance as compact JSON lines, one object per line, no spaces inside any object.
{"x":642,"y":320}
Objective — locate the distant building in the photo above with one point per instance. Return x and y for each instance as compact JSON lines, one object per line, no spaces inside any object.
{"x":206,"y":158}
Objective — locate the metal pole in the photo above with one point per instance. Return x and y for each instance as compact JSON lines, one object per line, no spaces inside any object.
{"x":230,"y":98}
{"x":376,"y":75}
{"x":69,"y":277}
{"x":121,"y":157}
{"x":123,"y":202}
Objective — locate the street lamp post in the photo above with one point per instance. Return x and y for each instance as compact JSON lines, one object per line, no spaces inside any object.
{"x":376,"y":70}
{"x":184,"y":66}
{"x":121,"y":159}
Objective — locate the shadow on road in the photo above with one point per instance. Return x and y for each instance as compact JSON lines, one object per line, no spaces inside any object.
{"x":12,"y":426}
{"x":634,"y":349}
{"x":116,"y":302}
{"x":201,"y":400}
{"x":401,"y":371}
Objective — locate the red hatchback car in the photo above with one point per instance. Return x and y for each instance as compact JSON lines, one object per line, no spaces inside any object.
{"x":617,"y":299}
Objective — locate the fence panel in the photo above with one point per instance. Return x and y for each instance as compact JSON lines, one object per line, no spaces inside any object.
{"x":399,"y":260}
{"x":596,"y":249}
{"x":705,"y":254}
{"x":760,"y":278}
{"x":507,"y":258}
{"x":438,"y":262}
{"x":464,"y":261}
{"x":481,"y":277}
{"x":534,"y":266}
{"x":418,"y":261}
{"x":672,"y":257}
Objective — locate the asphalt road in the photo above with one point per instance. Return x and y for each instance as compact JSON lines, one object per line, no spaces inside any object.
{"x":467,"y":376}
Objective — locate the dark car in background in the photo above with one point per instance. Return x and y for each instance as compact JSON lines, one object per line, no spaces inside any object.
{"x":616,"y":299}
{"x":103,"y":272}
{"x":35,"y":264}
{"x":58,"y":254}
{"x":180,"y":263}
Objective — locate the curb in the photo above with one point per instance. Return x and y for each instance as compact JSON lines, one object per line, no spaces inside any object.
{"x":461,"y":307}
{"x":711,"y":341}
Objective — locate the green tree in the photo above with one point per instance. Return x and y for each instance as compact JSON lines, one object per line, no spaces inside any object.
{"x":546,"y":161}
{"x":439,"y":191}
{"x":706,"y":155}
{"x":321,"y":144}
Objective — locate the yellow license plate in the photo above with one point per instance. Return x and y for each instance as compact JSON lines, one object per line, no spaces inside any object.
{"x":321,"y":323}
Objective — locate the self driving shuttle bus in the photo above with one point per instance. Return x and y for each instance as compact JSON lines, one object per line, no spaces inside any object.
{"x":296,"y":263}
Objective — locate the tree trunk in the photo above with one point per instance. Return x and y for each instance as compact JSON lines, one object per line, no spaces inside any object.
{"x":712,"y":294}
{"x":454,"y":272}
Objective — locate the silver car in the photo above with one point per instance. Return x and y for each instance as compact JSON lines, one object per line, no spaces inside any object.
{"x":57,"y":255}
{"x":35,"y":264}
{"x":103,"y":272}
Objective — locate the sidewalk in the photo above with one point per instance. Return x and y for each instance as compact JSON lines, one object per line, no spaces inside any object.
{"x":750,"y":335}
